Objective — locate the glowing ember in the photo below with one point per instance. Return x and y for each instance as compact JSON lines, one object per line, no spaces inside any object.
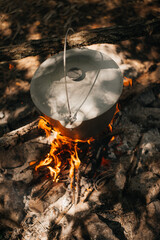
{"x":63,"y":151}
{"x":127,"y":82}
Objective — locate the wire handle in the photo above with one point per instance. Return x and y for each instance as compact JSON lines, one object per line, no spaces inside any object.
{"x":64,"y":64}
{"x":73,"y":118}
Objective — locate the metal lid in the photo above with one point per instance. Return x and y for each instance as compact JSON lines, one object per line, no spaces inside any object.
{"x":94,"y":84}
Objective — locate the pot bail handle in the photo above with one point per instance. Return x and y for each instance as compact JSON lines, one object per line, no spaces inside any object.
{"x":71,"y":119}
{"x":65,"y":74}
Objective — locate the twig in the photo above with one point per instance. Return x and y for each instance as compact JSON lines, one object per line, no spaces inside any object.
{"x":78,"y":186}
{"x":62,"y":214}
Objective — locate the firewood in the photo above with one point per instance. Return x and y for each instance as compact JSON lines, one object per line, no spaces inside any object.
{"x":51,"y":45}
{"x":22,"y":134}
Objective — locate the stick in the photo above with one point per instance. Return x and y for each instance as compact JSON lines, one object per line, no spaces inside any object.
{"x":78,"y":185}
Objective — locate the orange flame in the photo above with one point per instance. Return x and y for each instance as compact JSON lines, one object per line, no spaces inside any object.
{"x":61,"y":147}
{"x":110,"y":127}
{"x":43,"y":124}
{"x":11,"y":66}
{"x":112,"y":139}
{"x":111,"y":123}
{"x":127,"y":82}
{"x":32,"y":163}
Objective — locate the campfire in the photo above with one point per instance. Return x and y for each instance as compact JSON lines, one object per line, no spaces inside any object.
{"x":63,"y":152}
{"x":71,"y":115}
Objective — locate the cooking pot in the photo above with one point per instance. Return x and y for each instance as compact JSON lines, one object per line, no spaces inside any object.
{"x":80,"y":99}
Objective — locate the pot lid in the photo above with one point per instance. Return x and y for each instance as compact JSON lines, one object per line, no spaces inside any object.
{"x":93,"y":80}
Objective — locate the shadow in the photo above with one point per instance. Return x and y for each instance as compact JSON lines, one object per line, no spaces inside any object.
{"x":116,"y":227}
{"x":54,"y":231}
{"x":77,"y":222}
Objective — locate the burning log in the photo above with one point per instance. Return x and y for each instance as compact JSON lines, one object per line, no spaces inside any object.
{"x":112,"y":35}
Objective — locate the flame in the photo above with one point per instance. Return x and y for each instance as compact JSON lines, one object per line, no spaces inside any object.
{"x":117,"y":109}
{"x":11,"y":66}
{"x":44,"y":124}
{"x":112,"y":139}
{"x":127,"y":82}
{"x":32,"y":163}
{"x":63,"y":150}
{"x":110,"y":125}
